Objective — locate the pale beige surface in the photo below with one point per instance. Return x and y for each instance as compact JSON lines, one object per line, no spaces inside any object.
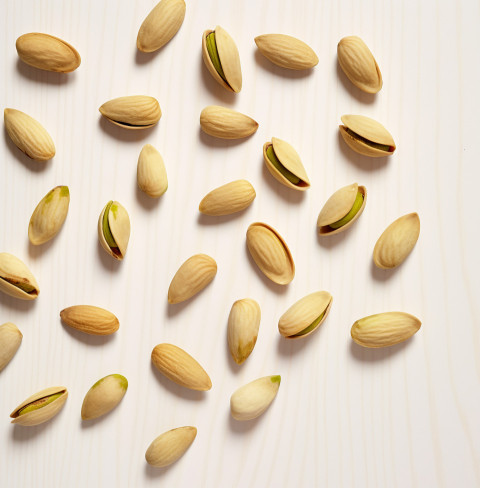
{"x":344,"y":416}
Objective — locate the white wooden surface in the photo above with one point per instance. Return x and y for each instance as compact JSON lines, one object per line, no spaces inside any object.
{"x":407,"y":416}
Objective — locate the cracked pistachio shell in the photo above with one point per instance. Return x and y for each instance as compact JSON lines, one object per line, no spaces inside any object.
{"x":104,"y":396}
{"x":119,"y":224}
{"x":42,"y":413}
{"x":90,"y":319}
{"x":151,"y":172}
{"x":384,"y":329}
{"x":270,"y":253}
{"x":227,"y":199}
{"x":49,"y":215}
{"x":302,"y":314}
{"x":14,"y":275}
{"x":28,"y":135}
{"x":397,"y":241}
{"x":10,"y":340}
{"x":229,"y":59}
{"x":367,"y":136}
{"x":359,"y":65}
{"x":337,"y":206}
{"x":132,"y":112}
{"x":243,"y":325}
{"x":160,"y":25}
{"x":170,"y":446}
{"x":226,"y":123}
{"x":290,"y":160}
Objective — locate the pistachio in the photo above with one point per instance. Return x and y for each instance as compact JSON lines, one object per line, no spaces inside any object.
{"x":227,"y":199}
{"x":251,"y":400}
{"x":192,"y":277}
{"x":243,"y":325}
{"x":359,"y":65}
{"x":49,"y":215}
{"x":151,"y":173}
{"x":160,"y":25}
{"x":286,"y":51}
{"x":28,"y":135}
{"x":384,"y":329}
{"x":306,"y":315}
{"x":104,"y":396}
{"x":220,"y":55}
{"x":10,"y":340}
{"x":47,"y":52}
{"x":114,"y":229}
{"x":170,"y":446}
{"x":285,"y":165}
{"x":40,"y":407}
{"x":178,"y":366}
{"x":367,"y":136}
{"x":226,"y":123}
{"x":342,"y":209}
{"x":16,"y":279}
{"x":270,"y":253}
{"x":132,"y":112}
{"x":90,"y":319}
{"x":397,"y":241}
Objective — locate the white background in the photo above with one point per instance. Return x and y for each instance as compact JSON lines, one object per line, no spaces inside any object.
{"x":406,"y":416}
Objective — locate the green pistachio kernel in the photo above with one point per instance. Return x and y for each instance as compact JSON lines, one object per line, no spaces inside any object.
{"x":311,"y":326}
{"x":278,"y":165}
{"x":106,"y":226}
{"x":357,"y":205}
{"x":382,"y":147}
{"x":213,"y":53}
{"x":26,"y":287}
{"x":41,"y":402}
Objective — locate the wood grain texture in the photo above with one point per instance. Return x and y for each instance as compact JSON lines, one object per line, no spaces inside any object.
{"x":344,"y":416}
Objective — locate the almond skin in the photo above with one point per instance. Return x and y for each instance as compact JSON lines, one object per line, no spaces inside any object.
{"x":90,"y":319}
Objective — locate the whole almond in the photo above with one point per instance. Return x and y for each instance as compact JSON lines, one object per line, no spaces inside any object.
{"x":10,"y":340}
{"x":170,"y":446}
{"x":226,"y":123}
{"x":90,"y":319}
{"x":178,"y":366}
{"x":227,"y":199}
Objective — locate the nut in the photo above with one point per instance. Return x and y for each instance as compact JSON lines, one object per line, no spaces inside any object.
{"x":342,"y":209}
{"x":90,"y":319}
{"x":220,"y":55}
{"x":16,"y":279}
{"x":358,"y":63}
{"x":285,"y":165}
{"x":170,"y":446}
{"x":226,"y":123}
{"x":251,"y":400}
{"x":49,"y":215}
{"x":28,"y":135}
{"x":151,"y":173}
{"x":178,"y":366}
{"x":10,"y":340}
{"x":270,"y":253}
{"x":114,"y":229}
{"x":47,"y":52}
{"x":132,"y":112}
{"x":104,"y":396}
{"x":306,"y":315}
{"x":227,"y":199}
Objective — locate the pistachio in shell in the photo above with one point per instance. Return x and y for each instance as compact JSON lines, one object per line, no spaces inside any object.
{"x":104,"y":396}
{"x":151,"y":172}
{"x":114,"y":229}
{"x":16,"y":279}
{"x":10,"y":340}
{"x":132,"y":112}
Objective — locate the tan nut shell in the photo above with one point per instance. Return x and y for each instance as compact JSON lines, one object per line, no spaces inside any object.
{"x":12,"y":268}
{"x":90,"y":319}
{"x":227,"y":199}
{"x":397,"y":241}
{"x":104,"y":396}
{"x":229,"y":59}
{"x":226,"y":123}
{"x":28,"y":135}
{"x":369,"y":129}
{"x":290,"y":159}
{"x":303,"y":312}
{"x":286,"y":51}
{"x":160,"y":25}
{"x":42,"y":414}
{"x":132,"y":112}
{"x":337,"y":206}
{"x":384,"y":329}
{"x":170,"y":446}
{"x":270,"y":253}
{"x":192,"y":276}
{"x":119,"y":223}
{"x":178,"y":366}
{"x":359,"y":65}
{"x":10,"y":340}
{"x":243,"y":325}
{"x":47,"y":52}
{"x":151,"y":172}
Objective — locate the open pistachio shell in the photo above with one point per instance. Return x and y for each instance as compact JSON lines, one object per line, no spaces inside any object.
{"x":114,"y":229}
{"x":367,"y":136}
{"x":226,"y":57}
{"x":40,"y":407}
{"x":132,"y":112}
{"x":270,"y":253}
{"x":285,"y":165}
{"x":339,"y":206}
{"x":305,"y":316}
{"x":16,"y":279}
